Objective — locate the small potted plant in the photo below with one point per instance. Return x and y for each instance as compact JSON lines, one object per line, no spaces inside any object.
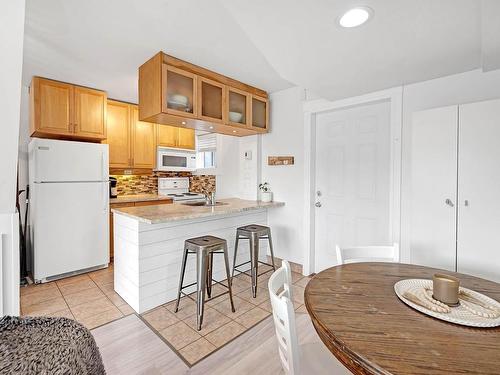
{"x":266,"y":195}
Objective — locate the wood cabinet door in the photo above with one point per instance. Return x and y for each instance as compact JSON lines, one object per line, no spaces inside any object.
{"x":52,"y":107}
{"x":179,"y":92}
{"x":90,"y":113}
{"x":211,"y":100}
{"x":118,"y":134}
{"x":167,"y":136}
{"x":143,"y":141}
{"x":238,"y":105}
{"x":186,"y":139}
{"x":259,"y":113}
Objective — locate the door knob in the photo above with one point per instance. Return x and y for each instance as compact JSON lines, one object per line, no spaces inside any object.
{"x":318,"y":204}
{"x":449,"y":202}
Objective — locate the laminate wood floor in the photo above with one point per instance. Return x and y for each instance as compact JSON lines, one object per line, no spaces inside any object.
{"x":129,"y":347}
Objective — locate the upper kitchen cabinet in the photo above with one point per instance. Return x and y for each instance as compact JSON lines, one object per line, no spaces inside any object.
{"x":167,"y":136}
{"x":90,"y":113}
{"x":132,"y":143}
{"x":176,"y":93}
{"x":119,"y":135}
{"x":143,"y":141}
{"x":211,"y":98}
{"x":259,"y":112}
{"x":179,"y":92}
{"x":172,"y":136}
{"x":186,"y":138}
{"x":238,"y":107}
{"x":62,"y":110}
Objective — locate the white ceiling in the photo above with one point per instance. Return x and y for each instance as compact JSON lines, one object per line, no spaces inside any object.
{"x":268,"y":44}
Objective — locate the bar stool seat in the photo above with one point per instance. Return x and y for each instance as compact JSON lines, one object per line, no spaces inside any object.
{"x":204,"y":248}
{"x":260,"y":230}
{"x":254,"y":233}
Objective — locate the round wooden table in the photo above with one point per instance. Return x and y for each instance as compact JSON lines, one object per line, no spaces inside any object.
{"x":360,"y":319}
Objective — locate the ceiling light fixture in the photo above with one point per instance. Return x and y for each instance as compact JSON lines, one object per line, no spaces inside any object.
{"x":355,"y":17}
{"x":183,"y":122}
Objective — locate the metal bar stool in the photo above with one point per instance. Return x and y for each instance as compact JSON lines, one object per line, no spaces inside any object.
{"x":204,"y":247}
{"x":254,"y":233}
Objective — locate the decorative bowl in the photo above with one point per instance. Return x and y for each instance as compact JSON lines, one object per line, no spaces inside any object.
{"x":179,"y":99}
{"x":235,"y":116}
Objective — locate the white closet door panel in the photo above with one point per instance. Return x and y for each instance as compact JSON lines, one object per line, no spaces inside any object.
{"x":434,"y":181}
{"x":478,"y":250}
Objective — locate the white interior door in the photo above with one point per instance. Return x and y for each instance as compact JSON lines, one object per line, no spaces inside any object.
{"x":71,"y":227}
{"x":478,"y":247}
{"x":353,"y":174}
{"x":434,"y":187}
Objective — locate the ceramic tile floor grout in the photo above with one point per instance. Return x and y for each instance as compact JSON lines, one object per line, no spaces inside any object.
{"x":229,"y":328}
{"x":226,"y":327}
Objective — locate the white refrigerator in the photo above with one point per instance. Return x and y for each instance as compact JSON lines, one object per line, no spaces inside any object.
{"x":69,"y":207}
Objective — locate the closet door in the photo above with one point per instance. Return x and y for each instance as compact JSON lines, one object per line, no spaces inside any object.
{"x":478,"y":248}
{"x":434,"y":187}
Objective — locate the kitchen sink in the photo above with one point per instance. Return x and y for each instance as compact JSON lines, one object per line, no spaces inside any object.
{"x":203,"y":204}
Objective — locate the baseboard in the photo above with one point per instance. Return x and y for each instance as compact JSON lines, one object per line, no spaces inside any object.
{"x":294,"y":266}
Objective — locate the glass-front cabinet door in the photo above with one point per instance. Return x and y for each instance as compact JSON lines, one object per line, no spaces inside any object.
{"x":180,"y":92}
{"x":260,"y":109}
{"x":211,"y":99}
{"x":238,"y":107}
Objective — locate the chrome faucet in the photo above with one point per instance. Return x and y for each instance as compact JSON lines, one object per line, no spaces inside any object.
{"x":210,"y":198}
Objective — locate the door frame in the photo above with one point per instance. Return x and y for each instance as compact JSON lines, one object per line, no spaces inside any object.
{"x":310,"y":110}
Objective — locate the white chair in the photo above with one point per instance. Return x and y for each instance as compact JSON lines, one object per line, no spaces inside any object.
{"x":312,"y":358}
{"x":368,"y":254}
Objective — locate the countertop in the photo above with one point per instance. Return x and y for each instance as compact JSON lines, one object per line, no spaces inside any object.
{"x":138,"y":198}
{"x":178,"y":211}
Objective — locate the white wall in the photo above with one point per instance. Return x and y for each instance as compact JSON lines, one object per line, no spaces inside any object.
{"x":286,"y":139}
{"x":456,"y":89}
{"x":11,"y":45}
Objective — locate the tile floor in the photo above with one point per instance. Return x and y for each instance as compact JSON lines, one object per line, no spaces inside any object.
{"x":89,"y":298}
{"x":220,"y":324}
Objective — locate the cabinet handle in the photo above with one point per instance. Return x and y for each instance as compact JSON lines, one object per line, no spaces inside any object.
{"x":466,"y":203}
{"x":449,"y":202}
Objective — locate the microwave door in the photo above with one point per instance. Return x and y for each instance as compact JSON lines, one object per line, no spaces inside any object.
{"x":175,"y":161}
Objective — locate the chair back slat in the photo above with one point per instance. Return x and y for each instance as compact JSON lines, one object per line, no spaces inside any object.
{"x":367,"y":254}
{"x":280,"y":292}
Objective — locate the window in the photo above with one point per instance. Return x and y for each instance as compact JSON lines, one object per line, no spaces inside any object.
{"x":206,"y":145}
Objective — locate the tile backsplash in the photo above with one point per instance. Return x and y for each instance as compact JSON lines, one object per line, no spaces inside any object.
{"x":148,"y":184}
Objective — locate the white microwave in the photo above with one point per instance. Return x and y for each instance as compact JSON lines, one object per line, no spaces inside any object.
{"x":174,"y":159}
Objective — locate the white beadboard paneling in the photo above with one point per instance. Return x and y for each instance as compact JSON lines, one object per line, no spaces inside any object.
{"x":148,"y":256}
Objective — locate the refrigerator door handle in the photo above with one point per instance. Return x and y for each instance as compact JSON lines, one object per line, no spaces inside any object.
{"x":102,"y":166}
{"x":105,"y":196}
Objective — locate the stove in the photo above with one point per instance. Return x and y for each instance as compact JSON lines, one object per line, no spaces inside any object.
{"x":178,"y":189}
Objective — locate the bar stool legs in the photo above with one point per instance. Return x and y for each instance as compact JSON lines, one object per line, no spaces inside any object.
{"x":201,"y":278}
{"x":254,"y":261}
{"x":253,"y":233}
{"x":229,"y":286}
{"x":181,"y":279}
{"x":204,"y":248}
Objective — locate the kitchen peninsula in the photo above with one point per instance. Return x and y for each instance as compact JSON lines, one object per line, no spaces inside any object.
{"x":149,"y":240}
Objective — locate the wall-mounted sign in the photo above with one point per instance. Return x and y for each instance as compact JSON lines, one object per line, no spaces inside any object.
{"x":280,"y":160}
